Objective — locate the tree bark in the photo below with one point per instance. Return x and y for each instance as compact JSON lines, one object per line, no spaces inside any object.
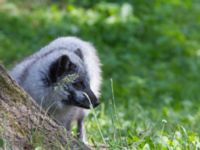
{"x":24,"y":125}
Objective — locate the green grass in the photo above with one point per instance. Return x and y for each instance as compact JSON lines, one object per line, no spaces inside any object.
{"x":151,"y":67}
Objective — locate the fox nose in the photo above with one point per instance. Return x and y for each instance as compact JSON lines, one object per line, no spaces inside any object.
{"x":86,"y":103}
{"x":84,"y":100}
{"x":95,"y":104}
{"x":91,"y":98}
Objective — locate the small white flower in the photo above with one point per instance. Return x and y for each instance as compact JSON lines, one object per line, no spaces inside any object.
{"x":164,"y":121}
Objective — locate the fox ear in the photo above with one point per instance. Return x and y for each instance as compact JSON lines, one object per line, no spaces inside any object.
{"x":59,"y":67}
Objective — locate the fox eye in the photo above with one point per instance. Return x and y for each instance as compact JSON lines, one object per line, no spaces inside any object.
{"x":78,"y":85}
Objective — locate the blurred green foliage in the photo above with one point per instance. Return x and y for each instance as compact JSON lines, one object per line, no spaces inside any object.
{"x":150,"y":49}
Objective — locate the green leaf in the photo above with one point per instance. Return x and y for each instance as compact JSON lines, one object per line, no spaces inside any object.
{"x":1,"y":143}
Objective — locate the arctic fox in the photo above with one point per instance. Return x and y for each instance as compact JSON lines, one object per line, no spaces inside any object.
{"x":43,"y":76}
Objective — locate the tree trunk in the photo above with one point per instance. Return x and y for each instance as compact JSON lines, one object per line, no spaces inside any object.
{"x":24,"y":125}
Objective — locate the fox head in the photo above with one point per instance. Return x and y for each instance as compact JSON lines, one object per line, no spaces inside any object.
{"x":76,"y":92}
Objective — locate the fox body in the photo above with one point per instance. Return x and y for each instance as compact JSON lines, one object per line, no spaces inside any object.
{"x":42,"y":76}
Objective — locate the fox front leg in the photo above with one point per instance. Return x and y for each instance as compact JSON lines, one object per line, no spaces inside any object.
{"x":81,"y":135}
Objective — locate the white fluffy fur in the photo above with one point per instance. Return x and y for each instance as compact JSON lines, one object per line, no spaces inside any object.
{"x":26,"y":73}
